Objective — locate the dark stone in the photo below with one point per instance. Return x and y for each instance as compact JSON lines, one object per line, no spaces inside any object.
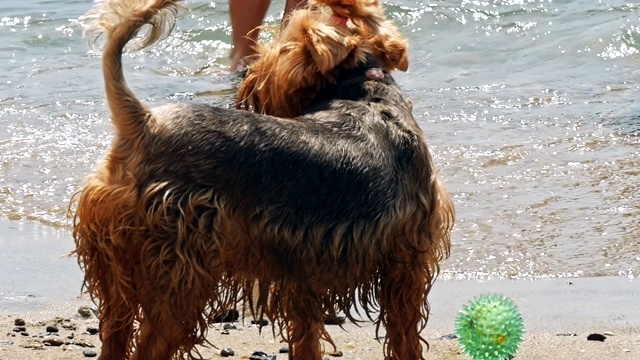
{"x":89,"y":353}
{"x":19,"y":322}
{"x":52,"y":329}
{"x":260,"y":355}
{"x":53,"y":341}
{"x":19,"y":329}
{"x":334,"y":320}
{"x":337,"y":353}
{"x":92,"y":330}
{"x":24,"y":333}
{"x":226,"y":352}
{"x":448,"y":337}
{"x":229,"y":327}
{"x":261,"y":322}
{"x":284,"y":350}
{"x":229,"y":316}
{"x":596,"y":337}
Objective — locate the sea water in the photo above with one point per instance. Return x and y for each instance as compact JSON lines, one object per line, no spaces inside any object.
{"x":530,"y":108}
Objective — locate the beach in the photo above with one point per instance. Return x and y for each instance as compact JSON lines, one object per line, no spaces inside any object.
{"x":558,"y":313}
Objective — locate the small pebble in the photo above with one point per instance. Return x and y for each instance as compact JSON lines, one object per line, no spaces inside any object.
{"x":52,"y":329}
{"x":19,"y":322}
{"x":596,"y":337}
{"x":68,"y":325}
{"x":336,"y":354}
{"x":53,"y":341}
{"x":260,"y":355}
{"x":85,"y":312}
{"x":284,"y":350}
{"x":229,"y":327}
{"x":448,"y":337}
{"x":32,"y":344}
{"x":334,"y":320}
{"x":567,"y":334}
{"x":226,"y":352}
{"x":262,"y":322}
{"x":84,"y":343}
{"x":24,"y":333}
{"x":608,"y":333}
{"x":19,"y":329}
{"x":89,"y":353}
{"x":92,"y":330}
{"x":230,"y":316}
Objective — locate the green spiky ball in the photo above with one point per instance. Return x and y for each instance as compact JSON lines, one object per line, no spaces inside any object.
{"x":490,"y":327}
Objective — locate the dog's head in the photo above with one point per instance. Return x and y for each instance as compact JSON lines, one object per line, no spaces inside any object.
{"x":381,"y":36}
{"x":312,"y":46}
{"x":369,"y":81}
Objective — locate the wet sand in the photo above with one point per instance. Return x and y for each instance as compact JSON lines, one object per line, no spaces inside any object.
{"x":42,"y":286}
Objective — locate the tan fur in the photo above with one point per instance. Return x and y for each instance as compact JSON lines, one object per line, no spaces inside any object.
{"x":301,"y":58}
{"x":195,"y":205}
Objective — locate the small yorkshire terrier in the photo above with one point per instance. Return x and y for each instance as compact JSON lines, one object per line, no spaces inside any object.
{"x":194,"y":204}
{"x":316,"y":40}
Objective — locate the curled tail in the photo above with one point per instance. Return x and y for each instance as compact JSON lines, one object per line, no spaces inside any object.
{"x":118,"y":22}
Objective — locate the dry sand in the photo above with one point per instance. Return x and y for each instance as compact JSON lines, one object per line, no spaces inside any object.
{"x":40,"y":286}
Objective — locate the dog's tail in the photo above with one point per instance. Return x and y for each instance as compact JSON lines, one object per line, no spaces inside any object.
{"x":118,"y":22}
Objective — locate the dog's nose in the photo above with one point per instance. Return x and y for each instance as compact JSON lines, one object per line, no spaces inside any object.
{"x":374,"y":74}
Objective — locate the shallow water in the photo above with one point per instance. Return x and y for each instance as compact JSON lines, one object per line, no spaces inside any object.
{"x":530,"y":108}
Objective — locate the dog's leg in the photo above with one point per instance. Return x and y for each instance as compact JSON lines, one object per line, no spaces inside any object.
{"x":108,"y":277}
{"x":173,"y":297}
{"x":305,"y":327}
{"x":116,"y":343}
{"x":404,"y":288}
{"x":156,"y":341}
{"x":164,"y":332}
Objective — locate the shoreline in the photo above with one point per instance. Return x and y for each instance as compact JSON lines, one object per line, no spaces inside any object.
{"x":41,"y":284}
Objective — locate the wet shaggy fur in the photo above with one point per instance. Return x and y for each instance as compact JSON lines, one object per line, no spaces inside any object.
{"x":316,"y":40}
{"x":194,"y":204}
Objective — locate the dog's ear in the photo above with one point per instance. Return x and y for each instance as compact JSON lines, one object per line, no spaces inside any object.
{"x":392,"y":47}
{"x":397,"y":55}
{"x":329,"y":46}
{"x":350,"y":9}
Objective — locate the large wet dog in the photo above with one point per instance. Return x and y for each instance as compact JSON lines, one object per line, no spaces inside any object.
{"x":194,"y":204}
